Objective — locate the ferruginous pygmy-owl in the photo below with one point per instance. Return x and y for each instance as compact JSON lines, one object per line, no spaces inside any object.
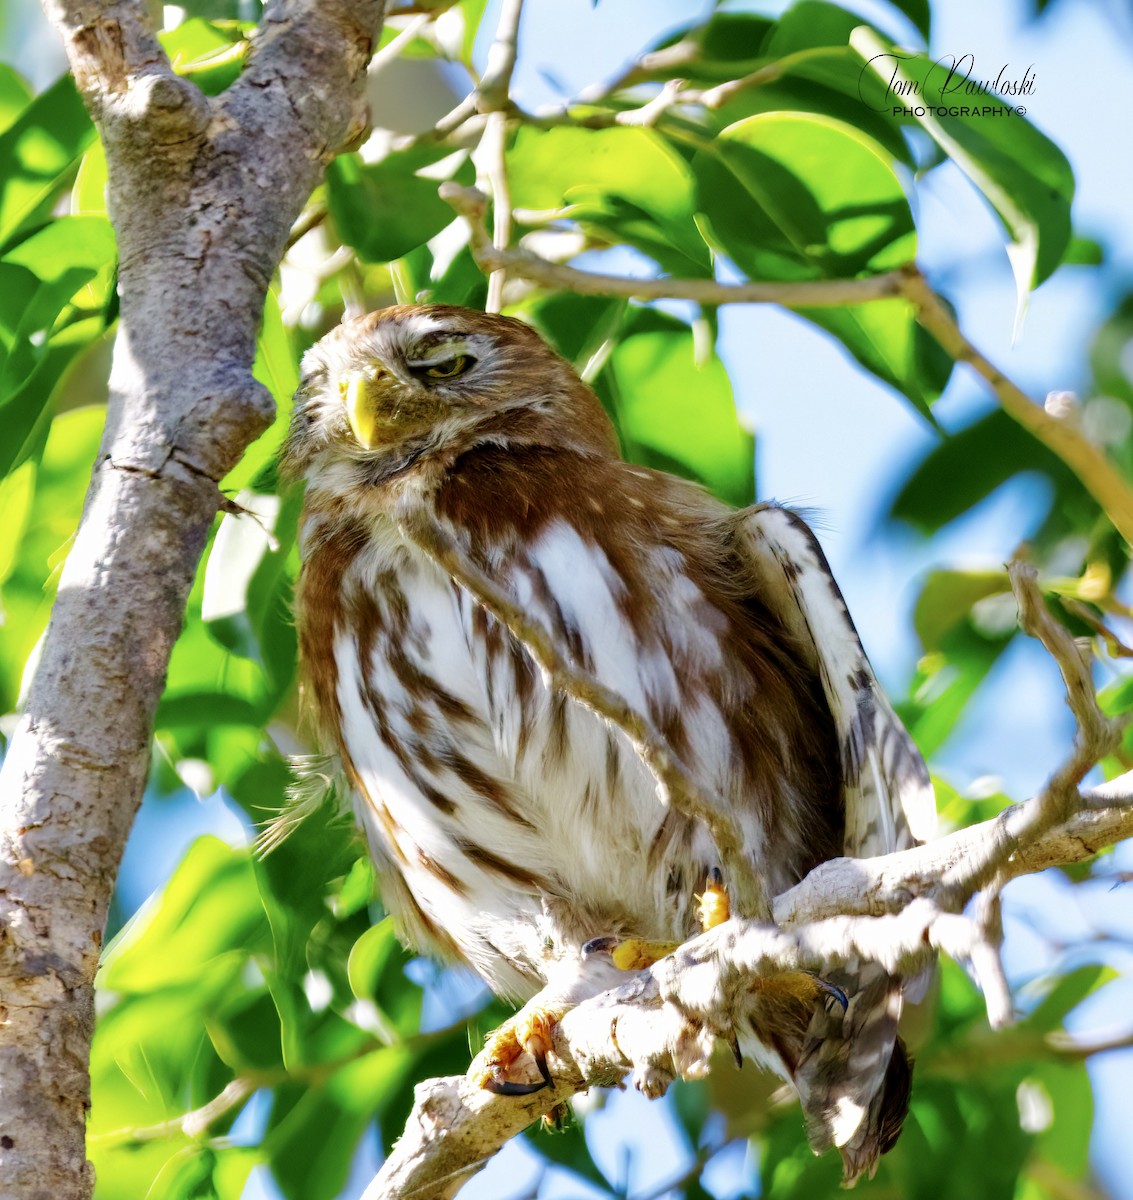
{"x":510,"y":825}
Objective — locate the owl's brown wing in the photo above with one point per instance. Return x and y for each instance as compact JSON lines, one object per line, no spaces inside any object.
{"x":852,"y":1072}
{"x":888,"y":794}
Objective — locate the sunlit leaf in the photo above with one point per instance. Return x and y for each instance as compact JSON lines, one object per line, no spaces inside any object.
{"x":385,"y":209}
{"x":679,"y":414}
{"x":1021,"y":173}
{"x":37,"y":153}
{"x":629,"y":184}
{"x":15,"y":93}
{"x":210,"y":54}
{"x":800,"y":196}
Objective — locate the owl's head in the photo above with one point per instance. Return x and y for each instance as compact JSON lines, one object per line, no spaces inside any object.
{"x":417,"y":379}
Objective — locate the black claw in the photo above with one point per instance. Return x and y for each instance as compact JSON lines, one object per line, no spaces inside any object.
{"x":600,"y":945}
{"x":835,"y":993}
{"x":544,"y":1070}
{"x":715,"y":877}
{"x":504,"y":1087}
{"x":737,"y":1053}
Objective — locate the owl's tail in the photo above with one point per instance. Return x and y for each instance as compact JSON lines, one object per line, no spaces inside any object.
{"x":853,"y":1073}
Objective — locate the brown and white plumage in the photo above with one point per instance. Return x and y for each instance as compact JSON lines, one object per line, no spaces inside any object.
{"x":509,"y":824}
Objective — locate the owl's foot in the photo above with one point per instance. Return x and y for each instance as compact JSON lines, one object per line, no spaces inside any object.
{"x":636,"y":954}
{"x":530,"y":1031}
{"x":802,"y":986}
{"x":712,"y":905}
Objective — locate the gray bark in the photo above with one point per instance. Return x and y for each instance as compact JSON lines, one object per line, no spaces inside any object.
{"x":202,"y":195}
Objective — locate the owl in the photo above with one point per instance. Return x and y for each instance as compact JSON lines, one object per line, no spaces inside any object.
{"x":514,"y":830}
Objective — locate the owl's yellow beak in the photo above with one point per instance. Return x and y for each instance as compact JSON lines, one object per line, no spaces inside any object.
{"x":361,"y":411}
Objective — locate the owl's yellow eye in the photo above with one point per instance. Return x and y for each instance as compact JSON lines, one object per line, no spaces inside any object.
{"x":449,"y":368}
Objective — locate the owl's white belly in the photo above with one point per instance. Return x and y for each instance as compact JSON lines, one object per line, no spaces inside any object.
{"x":519,"y":821}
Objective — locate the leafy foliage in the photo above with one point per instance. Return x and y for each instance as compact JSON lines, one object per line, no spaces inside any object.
{"x":273,"y":994}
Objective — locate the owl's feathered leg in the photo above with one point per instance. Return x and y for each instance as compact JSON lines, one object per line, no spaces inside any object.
{"x":531,"y":1030}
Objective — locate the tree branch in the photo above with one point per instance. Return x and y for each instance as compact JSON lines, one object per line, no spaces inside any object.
{"x":897,"y":910}
{"x":187,"y":180}
{"x":472,"y":205}
{"x":665,"y":1021}
{"x":1089,"y":463}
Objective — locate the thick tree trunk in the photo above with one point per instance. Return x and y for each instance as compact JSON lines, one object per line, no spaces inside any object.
{"x":202,"y":194}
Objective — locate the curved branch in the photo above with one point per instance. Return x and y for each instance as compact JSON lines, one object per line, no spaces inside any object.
{"x":897,"y":910}
{"x":665,"y":1021}
{"x":187,"y":180}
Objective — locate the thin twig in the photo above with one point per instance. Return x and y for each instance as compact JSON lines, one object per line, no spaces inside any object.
{"x":1097,"y":736}
{"x":987,"y":959}
{"x":472,"y":205}
{"x":1097,"y":474}
{"x":493,"y":93}
{"x":390,"y":51}
{"x":675,"y":781}
{"x":493,"y":152}
{"x":310,"y":218}
{"x":191,"y":1124}
{"x":493,"y":97}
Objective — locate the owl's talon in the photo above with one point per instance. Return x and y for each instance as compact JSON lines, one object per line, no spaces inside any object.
{"x":629,"y":954}
{"x":833,"y":992}
{"x":531,"y":1031}
{"x":505,"y":1087}
{"x":544,"y":1070}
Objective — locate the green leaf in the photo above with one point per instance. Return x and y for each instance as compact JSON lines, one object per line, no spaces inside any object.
{"x":1065,"y":1142}
{"x":88,"y":194}
{"x":210,"y":54}
{"x":311,"y":1136}
{"x":16,"y":494}
{"x":802,"y":196}
{"x":1064,"y":994}
{"x":65,"y":245}
{"x":243,"y":541}
{"x":945,"y":681}
{"x":208,"y":913}
{"x":677,"y":414}
{"x":968,"y":465}
{"x":1084,"y":251}
{"x":15,"y":94}
{"x":246,"y":1032}
{"x":373,"y":954}
{"x":885,"y":337}
{"x":37,"y":152}
{"x":276,"y":368}
{"x":1021,"y":173}
{"x":624,"y":184}
{"x":385,"y":209}
{"x":26,"y":407}
{"x":577,"y":326}
{"x":947,"y":597}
